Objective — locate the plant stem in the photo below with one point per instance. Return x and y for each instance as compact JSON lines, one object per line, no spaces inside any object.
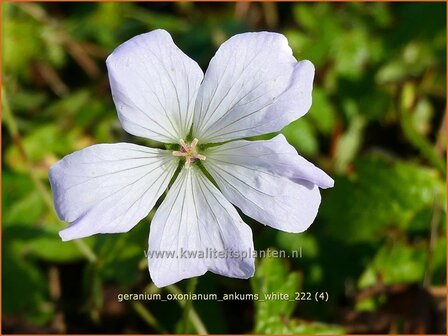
{"x":193,"y":316}
{"x":188,"y":304}
{"x":148,"y":317}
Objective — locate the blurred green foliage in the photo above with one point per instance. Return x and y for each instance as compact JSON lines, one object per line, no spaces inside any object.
{"x":377,"y":125}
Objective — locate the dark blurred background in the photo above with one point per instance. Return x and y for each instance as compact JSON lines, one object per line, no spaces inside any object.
{"x":377,"y":125}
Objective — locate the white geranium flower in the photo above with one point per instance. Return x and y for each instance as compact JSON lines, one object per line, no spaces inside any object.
{"x":253,"y":86}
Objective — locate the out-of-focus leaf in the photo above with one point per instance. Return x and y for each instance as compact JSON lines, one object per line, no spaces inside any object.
{"x":352,"y":53}
{"x":27,"y":100}
{"x":381,"y":13}
{"x":22,"y":43}
{"x":273,"y":314}
{"x":43,"y":242}
{"x":272,"y":276}
{"x":55,"y":51}
{"x":298,"y":327}
{"x":307,"y":251}
{"x":301,"y":135}
{"x":398,"y":263}
{"x":81,"y":108}
{"x":121,"y":255}
{"x":349,"y":143}
{"x":422,"y":115}
{"x":322,"y":112}
{"x":28,"y":210}
{"x":305,"y":16}
{"x":381,"y":194}
{"x":294,"y":242}
{"x":438,"y":261}
{"x":313,"y":328}
{"x":367,"y":305}
{"x":160,"y":21}
{"x":48,"y":246}
{"x":24,"y":290}
{"x":105,"y":21}
{"x":42,"y":145}
{"x":14,"y":188}
{"x":415,"y":58}
{"x":392,"y":72}
{"x":26,"y":221}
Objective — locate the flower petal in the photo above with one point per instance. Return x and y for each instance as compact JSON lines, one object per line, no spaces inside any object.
{"x":108,"y":188}
{"x":268,"y":181}
{"x":193,"y":219}
{"x":154,"y":86}
{"x":252,"y":86}
{"x":275,"y":155}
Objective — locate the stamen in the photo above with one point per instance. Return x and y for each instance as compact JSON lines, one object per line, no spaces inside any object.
{"x":194,"y":143}
{"x":179,"y":153}
{"x":184,"y":146}
{"x":189,"y":152}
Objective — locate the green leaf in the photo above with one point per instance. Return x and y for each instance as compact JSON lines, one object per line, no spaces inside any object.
{"x":421,"y":118}
{"x":20,"y":201}
{"x":51,"y":248}
{"x":294,"y":242}
{"x":391,"y":72}
{"x":382,"y":193}
{"x":305,"y":16}
{"x":42,"y":242}
{"x":349,"y":143}
{"x":273,"y":312}
{"x":398,"y":263}
{"x":438,"y":262}
{"x":122,"y":255}
{"x":24,"y":288}
{"x":352,"y":53}
{"x":313,"y":328}
{"x":301,"y":135}
{"x":28,"y":210}
{"x":272,"y":277}
{"x":42,"y":149}
{"x":322,"y":112}
{"x":22,"y":43}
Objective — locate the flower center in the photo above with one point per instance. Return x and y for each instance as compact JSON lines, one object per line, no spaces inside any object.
{"x":189,"y":152}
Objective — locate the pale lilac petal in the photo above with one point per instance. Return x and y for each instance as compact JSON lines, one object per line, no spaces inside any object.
{"x":108,"y":188}
{"x":252,"y":86}
{"x":154,"y":86}
{"x":275,"y":155}
{"x":268,"y":181}
{"x":196,"y":217}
